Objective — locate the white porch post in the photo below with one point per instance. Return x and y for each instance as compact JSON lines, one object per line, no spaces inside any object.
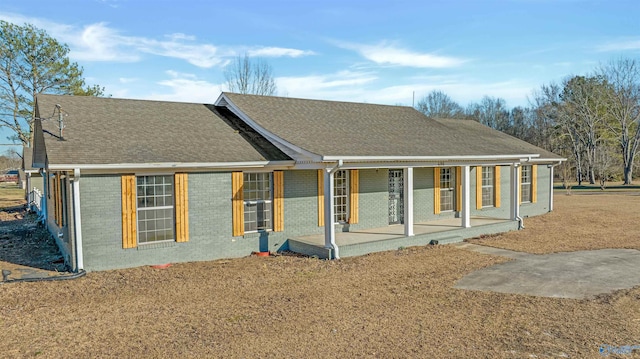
{"x":329,"y":228}
{"x":408,"y":201}
{"x":77,"y":219}
{"x":466,"y":195}
{"x":515,"y":190}
{"x":550,"y":188}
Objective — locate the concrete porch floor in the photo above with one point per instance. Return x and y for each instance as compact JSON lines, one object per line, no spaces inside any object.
{"x":397,"y":231}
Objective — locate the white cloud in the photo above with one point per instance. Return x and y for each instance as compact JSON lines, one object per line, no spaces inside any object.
{"x":127,"y":80}
{"x":624,"y":45}
{"x":99,"y":42}
{"x":388,"y":54}
{"x":328,"y":86}
{"x":186,"y":88}
{"x":278,"y":52}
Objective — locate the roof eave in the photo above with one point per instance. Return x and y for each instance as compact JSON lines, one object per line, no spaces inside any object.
{"x":170,"y":165}
{"x":516,"y":158}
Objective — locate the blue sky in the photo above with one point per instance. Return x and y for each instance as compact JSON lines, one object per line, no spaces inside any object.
{"x":367,"y":51}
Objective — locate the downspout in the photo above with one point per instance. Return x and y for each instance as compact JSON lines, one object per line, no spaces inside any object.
{"x":334,"y":246}
{"x":515,"y":194}
{"x":42,"y":216}
{"x":77,"y":220}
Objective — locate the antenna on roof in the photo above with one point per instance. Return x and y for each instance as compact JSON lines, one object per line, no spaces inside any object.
{"x":61,"y":125}
{"x":413,"y":101}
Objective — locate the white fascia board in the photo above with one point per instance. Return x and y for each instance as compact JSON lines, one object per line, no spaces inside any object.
{"x":548,"y":160}
{"x":519,"y":158}
{"x":283,"y":145}
{"x":169,"y":166}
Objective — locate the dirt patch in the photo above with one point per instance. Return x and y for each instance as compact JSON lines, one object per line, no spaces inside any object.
{"x":396,"y":304}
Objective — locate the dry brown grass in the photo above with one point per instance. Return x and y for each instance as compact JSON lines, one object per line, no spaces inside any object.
{"x":579,"y":222}
{"x":397,"y":304}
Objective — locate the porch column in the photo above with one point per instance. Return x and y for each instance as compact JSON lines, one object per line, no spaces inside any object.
{"x":515,"y":192}
{"x":408,"y":201}
{"x":329,"y":227}
{"x":77,"y":221}
{"x":550,"y":188}
{"x":466,"y":195}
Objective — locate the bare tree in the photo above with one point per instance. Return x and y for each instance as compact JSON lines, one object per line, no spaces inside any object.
{"x":250,"y":76}
{"x":438,"y":104}
{"x":623,"y":101}
{"x":491,"y":111}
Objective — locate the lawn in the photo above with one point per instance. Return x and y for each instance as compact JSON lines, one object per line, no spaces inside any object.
{"x":11,"y":195}
{"x":396,"y":304}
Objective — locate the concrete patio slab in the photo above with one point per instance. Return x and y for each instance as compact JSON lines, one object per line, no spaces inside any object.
{"x":579,"y":275}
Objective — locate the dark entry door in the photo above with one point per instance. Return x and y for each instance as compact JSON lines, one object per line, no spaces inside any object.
{"x":396,"y":196}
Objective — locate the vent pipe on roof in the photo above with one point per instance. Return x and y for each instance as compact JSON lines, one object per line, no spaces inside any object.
{"x":60,"y":124}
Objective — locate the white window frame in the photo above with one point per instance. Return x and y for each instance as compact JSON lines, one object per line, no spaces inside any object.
{"x":447,"y":172}
{"x":488,"y":186}
{"x":341,"y":192}
{"x":525,"y":182}
{"x":253,"y":183}
{"x":142,"y":232}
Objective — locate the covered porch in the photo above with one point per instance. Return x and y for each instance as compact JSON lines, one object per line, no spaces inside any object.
{"x":360,"y":242}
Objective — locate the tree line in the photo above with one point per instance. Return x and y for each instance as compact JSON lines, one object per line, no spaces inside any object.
{"x":592,"y":120}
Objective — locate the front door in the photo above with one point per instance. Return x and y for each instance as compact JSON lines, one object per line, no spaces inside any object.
{"x":396,"y":197}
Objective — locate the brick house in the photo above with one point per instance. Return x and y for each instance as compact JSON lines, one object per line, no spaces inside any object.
{"x":131,"y":182}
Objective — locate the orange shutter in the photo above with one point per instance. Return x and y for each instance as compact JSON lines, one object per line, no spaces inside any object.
{"x":534,"y":183}
{"x":278,"y":201}
{"x":436,"y":190}
{"x":182,"y":206}
{"x":320,"y":198}
{"x":237,"y":203}
{"x":129,"y":225}
{"x":479,"y":187}
{"x":354,"y":188}
{"x":458,"y":189}
{"x":496,"y":189}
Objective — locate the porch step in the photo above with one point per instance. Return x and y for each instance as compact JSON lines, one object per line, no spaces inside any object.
{"x":448,"y":240}
{"x":309,"y":249}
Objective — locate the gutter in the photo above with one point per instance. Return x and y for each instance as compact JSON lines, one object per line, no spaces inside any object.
{"x":165,"y":165}
{"x":520,"y":157}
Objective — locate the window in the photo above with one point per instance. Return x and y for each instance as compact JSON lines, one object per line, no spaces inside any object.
{"x":447,"y":194}
{"x":341,"y":196}
{"x":154,"y":196}
{"x":258,"y":199}
{"x":525,"y":184}
{"x":488,"y":178}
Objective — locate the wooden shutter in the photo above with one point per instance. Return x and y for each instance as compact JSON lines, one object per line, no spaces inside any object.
{"x":458,"y":189}
{"x":278,"y":201}
{"x":182,"y":206}
{"x":436,"y":190}
{"x":496,"y":189}
{"x":479,"y":187}
{"x":129,"y":225}
{"x":354,"y":190}
{"x":534,"y":183}
{"x":320,"y":198}
{"x":237,"y":203}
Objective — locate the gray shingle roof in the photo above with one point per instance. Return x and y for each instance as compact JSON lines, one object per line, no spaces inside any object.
{"x":119,"y":131}
{"x":331,"y":128}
